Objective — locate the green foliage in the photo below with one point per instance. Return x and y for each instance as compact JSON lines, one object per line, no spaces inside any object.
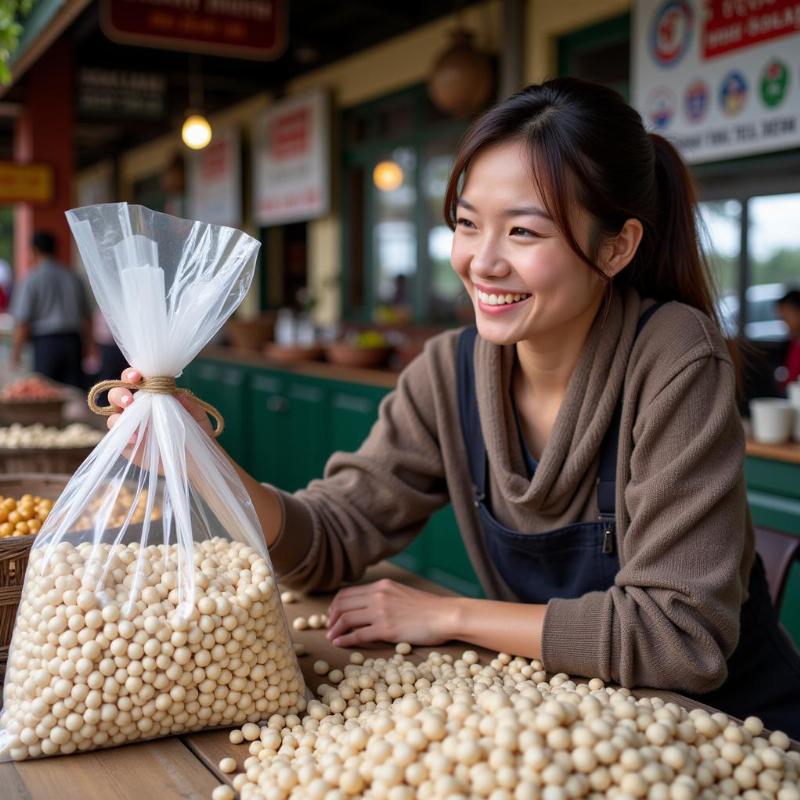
{"x":11,"y":14}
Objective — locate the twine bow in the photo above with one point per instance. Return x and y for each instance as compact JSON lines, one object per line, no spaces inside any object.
{"x":158,"y":385}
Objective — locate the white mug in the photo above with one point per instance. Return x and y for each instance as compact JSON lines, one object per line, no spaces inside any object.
{"x":772,"y":419}
{"x":793,"y":390}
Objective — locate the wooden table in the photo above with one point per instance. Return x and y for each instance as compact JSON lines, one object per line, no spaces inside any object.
{"x":187,"y":767}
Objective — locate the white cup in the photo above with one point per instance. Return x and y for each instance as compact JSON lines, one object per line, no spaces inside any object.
{"x":772,"y":419}
{"x":793,"y":390}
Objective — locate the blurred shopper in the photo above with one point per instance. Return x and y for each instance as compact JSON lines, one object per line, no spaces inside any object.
{"x":51,"y":310}
{"x":789,"y":312}
{"x":6,"y":282}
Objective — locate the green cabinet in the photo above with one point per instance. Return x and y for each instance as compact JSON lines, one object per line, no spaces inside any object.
{"x":354,"y":410}
{"x":224,"y":386}
{"x":267,"y":408}
{"x":773,"y":490}
{"x":308,"y":445}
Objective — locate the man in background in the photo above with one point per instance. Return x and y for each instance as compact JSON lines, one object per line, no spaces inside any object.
{"x":51,"y":310}
{"x":789,"y":311}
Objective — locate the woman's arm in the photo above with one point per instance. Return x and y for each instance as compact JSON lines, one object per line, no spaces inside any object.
{"x":671,"y":619}
{"x":369,"y":505}
{"x":391,"y":612}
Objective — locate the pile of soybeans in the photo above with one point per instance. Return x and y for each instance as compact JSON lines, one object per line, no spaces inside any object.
{"x":89,"y":669}
{"x":389,"y":729}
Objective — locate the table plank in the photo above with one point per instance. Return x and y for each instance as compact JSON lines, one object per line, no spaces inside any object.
{"x":164,"y":769}
{"x":13,"y":785}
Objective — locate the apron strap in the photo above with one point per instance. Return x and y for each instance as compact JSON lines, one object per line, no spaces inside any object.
{"x":468,"y":411}
{"x":473,"y":436}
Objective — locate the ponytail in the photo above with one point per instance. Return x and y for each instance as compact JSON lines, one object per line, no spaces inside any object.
{"x":670,"y":264}
{"x":678,"y":268}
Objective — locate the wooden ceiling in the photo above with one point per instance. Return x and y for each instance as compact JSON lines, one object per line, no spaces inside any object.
{"x":319,"y":32}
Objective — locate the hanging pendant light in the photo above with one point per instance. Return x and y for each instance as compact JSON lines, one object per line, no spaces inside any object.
{"x":462,"y":81}
{"x":387,"y":176}
{"x":196,"y":131}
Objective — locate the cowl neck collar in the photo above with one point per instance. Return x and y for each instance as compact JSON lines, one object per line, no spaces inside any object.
{"x":585,"y":414}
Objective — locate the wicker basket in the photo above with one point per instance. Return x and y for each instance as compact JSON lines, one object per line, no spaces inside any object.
{"x":14,"y":552}
{"x":29,"y":412}
{"x":250,"y":334}
{"x":43,"y":460}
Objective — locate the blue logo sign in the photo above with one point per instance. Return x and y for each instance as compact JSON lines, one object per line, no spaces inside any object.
{"x":733,"y":93}
{"x":671,"y":32}
{"x":661,"y":107}
{"x":696,"y":100}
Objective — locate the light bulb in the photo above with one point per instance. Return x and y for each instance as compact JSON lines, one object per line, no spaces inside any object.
{"x":387,"y":176}
{"x":196,"y":132}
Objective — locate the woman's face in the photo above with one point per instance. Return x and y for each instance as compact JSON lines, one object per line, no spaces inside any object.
{"x":525,"y":282}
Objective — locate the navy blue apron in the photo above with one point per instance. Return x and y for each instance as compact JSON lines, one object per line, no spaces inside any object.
{"x":764,"y":670}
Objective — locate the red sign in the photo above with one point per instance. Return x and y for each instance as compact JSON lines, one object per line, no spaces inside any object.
{"x":239,"y":28}
{"x":291,"y":134}
{"x":734,"y":24}
{"x":214,"y":160}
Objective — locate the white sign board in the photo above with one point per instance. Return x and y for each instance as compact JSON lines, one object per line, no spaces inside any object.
{"x":719,"y":78}
{"x":215,"y":180}
{"x":291,"y":161}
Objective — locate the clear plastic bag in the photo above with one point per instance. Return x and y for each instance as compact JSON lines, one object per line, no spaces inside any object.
{"x":150,"y":606}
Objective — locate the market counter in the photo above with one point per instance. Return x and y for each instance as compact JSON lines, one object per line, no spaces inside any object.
{"x":788,"y":453}
{"x":773,"y":492}
{"x":187,"y":767}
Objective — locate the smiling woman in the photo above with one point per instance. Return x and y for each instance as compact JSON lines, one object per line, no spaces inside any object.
{"x":585,"y":430}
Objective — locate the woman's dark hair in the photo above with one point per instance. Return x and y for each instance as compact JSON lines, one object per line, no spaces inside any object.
{"x":588,"y":146}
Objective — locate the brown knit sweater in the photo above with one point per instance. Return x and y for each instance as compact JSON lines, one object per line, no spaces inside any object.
{"x":684,"y":534}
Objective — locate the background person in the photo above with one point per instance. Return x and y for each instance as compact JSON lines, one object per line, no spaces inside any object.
{"x":789,"y":311}
{"x":51,"y":311}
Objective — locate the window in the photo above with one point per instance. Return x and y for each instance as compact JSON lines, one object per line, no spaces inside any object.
{"x":720,"y":235}
{"x":770,"y":237}
{"x":396,"y":246}
{"x":599,"y":53}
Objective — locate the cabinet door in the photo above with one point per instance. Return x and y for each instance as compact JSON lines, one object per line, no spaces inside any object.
{"x":224,"y":386}
{"x":268,"y":442}
{"x":773,"y":491}
{"x":353,"y":413}
{"x":232,"y":405}
{"x":188,"y":378}
{"x":309,"y":442}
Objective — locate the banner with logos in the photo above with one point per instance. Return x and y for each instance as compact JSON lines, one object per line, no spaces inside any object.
{"x":214,"y":177}
{"x":291,"y":160}
{"x":719,"y":78}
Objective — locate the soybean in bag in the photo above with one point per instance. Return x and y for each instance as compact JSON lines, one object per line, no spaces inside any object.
{"x":150,"y":606}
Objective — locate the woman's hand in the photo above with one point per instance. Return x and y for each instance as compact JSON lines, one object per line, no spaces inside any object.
{"x":122,"y":398}
{"x":389,"y":612}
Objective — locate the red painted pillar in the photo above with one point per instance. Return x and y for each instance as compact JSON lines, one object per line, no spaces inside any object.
{"x":44,"y":134}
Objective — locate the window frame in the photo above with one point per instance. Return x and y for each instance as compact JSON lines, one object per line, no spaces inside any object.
{"x":362,"y":155}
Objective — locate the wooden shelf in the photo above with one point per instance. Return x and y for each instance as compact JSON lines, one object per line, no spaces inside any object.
{"x":776,"y":452}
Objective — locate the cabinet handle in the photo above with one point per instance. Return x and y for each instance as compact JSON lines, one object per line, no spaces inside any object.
{"x":277,"y":405}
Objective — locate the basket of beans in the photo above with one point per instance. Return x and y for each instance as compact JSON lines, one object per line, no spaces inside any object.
{"x":25,"y":502}
{"x":43,"y":449}
{"x":32,"y":399}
